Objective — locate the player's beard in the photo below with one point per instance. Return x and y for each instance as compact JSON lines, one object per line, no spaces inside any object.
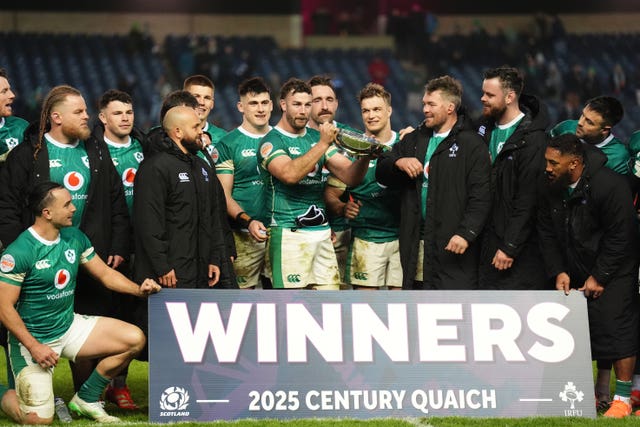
{"x":192,"y":145}
{"x":559,"y":184}
{"x":75,"y":133}
{"x":296,"y":122}
{"x":494,"y":113}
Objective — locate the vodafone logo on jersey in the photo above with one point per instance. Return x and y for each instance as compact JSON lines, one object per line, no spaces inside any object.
{"x":73,"y":181}
{"x":62,"y":278}
{"x":128,"y":176}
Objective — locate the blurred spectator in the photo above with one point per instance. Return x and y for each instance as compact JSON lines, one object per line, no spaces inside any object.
{"x":186,"y":59}
{"x":574,"y":81}
{"x":344,"y":23}
{"x":553,"y":84}
{"x":378,"y":70}
{"x":534,"y":73}
{"x":478,"y":41}
{"x":541,"y":28}
{"x":127,"y":83}
{"x":242,"y":68}
{"x":591,"y":87}
{"x":572,"y":107}
{"x":34,"y":104}
{"x":226,"y":65}
{"x":321,"y":21}
{"x":618,"y":79}
{"x":139,"y":40}
{"x":206,"y":58}
{"x":430,"y":23}
{"x":398,"y":28}
{"x":558,"y":36}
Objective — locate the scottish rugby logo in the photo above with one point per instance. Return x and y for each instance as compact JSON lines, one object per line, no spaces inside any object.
{"x":174,"y":402}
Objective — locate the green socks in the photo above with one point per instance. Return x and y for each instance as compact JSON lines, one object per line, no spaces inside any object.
{"x":93,"y":387}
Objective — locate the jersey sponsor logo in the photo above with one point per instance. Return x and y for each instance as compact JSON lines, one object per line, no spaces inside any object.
{"x":55,"y":163}
{"x":266,"y":149}
{"x":62,"y":279}
{"x":214,"y":154}
{"x":73,"y":181}
{"x":293,"y":278}
{"x":43,"y":264}
{"x":453,"y":151}
{"x":294,"y":150}
{"x":360,"y":275}
{"x":138,"y":156}
{"x":7,"y":263}
{"x":85,"y":160}
{"x":248,"y":152}
{"x":183,"y":177}
{"x":205,"y":174}
{"x":11,"y":142}
{"x":70,"y":254}
{"x":128,"y":176}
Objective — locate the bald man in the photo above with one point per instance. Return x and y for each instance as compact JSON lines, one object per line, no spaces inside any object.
{"x":176,"y":214}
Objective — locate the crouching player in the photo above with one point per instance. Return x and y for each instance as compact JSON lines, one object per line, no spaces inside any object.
{"x":37,"y":286}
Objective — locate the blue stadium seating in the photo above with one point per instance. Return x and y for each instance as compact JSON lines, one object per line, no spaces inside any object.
{"x":94,"y":63}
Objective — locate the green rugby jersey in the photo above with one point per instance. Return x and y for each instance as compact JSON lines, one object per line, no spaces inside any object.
{"x":286,"y":202}
{"x":11,"y":134}
{"x":433,"y":143}
{"x":634,"y":147}
{"x":500,"y":134}
{"x":340,"y":223}
{"x":216,"y":135}
{"x":616,"y":151}
{"x":69,"y":166}
{"x":379,"y":216}
{"x":46,"y":272}
{"x":337,"y":223}
{"x":567,"y":126}
{"x":237,"y":156}
{"x":126,"y":159}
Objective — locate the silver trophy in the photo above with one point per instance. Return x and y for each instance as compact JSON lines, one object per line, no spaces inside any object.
{"x":357,"y":144}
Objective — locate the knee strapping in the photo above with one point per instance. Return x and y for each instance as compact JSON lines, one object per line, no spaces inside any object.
{"x":35,"y":391}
